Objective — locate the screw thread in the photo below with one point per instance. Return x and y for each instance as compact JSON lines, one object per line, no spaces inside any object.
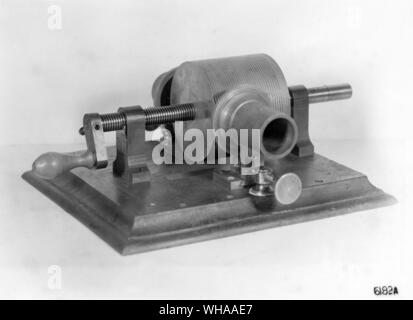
{"x":154,"y":116}
{"x":113,"y":121}
{"x":168,"y":114}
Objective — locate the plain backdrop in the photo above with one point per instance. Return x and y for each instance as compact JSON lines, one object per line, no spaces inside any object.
{"x":108,"y":53}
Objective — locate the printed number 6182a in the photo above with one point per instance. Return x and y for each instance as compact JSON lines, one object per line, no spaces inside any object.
{"x":385,"y":291}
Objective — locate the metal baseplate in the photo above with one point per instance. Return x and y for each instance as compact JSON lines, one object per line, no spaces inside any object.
{"x":181,"y":205}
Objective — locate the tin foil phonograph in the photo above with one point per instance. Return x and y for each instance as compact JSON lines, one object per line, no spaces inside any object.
{"x":136,"y":200}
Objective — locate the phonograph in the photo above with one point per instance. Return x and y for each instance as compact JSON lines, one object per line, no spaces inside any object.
{"x":136,"y":203}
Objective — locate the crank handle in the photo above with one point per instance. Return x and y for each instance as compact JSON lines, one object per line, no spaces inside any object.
{"x":50,"y":165}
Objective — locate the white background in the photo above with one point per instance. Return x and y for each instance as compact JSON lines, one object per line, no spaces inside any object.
{"x":108,"y":53}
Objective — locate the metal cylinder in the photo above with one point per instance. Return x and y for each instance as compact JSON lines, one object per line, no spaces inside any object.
{"x":215,"y":80}
{"x":329,"y":93}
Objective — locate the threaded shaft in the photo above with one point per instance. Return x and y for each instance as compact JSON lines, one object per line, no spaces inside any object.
{"x":113,"y":121}
{"x":168,"y":114}
{"x":153,"y":116}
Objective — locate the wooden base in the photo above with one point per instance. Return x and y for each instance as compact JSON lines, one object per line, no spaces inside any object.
{"x":184,"y":204}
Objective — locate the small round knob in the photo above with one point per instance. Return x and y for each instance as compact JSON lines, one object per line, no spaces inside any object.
{"x":288,"y":188}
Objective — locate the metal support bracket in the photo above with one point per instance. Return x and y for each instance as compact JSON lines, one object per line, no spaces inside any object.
{"x":92,"y":124}
{"x":300,"y":112}
{"x":131,"y":149}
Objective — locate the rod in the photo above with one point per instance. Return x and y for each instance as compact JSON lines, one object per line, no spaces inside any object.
{"x":329,"y":93}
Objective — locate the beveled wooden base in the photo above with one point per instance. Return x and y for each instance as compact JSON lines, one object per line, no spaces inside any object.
{"x":184,"y":204}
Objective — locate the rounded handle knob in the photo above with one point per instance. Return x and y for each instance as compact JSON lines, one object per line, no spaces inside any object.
{"x":50,"y":165}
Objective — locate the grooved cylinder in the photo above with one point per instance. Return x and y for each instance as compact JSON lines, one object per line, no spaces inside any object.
{"x":215,"y":80}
